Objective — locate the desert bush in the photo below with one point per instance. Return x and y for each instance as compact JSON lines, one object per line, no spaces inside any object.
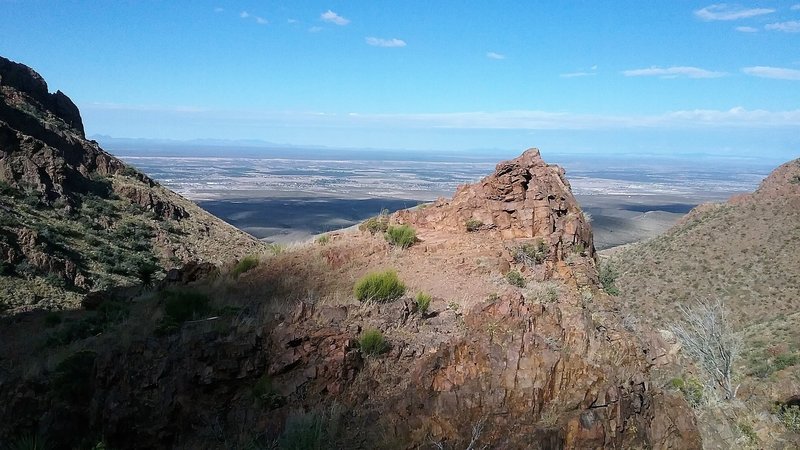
{"x":423,"y":302}
{"x":265,"y":392}
{"x":371,"y":342}
{"x":380,"y":287}
{"x":532,"y":253}
{"x":515,"y":278}
{"x":245,"y":264}
{"x":29,"y":442}
{"x":707,"y":337}
{"x":790,"y":417}
{"x":608,"y":275}
{"x":72,"y":378}
{"x":377,"y":224}
{"x":323,"y":240}
{"x":52,"y":319}
{"x":691,"y":389}
{"x":473,"y":225}
{"x":313,"y":430}
{"x":402,"y":236}
{"x":276,"y":248}
{"x":181,"y":306}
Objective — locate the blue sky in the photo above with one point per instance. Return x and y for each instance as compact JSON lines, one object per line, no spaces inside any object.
{"x":674,"y":76}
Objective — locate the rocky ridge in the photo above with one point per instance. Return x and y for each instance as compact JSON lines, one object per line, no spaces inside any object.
{"x":53,"y":180}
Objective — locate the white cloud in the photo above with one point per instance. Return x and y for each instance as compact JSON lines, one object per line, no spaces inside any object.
{"x":795,"y":7}
{"x":594,"y":67}
{"x":792,"y":26}
{"x":779,"y":73}
{"x":673,"y":72}
{"x":315,"y":29}
{"x":576,"y":74}
{"x":747,"y":29}
{"x":219,"y":10}
{"x":332,"y":17}
{"x":259,"y":20}
{"x":736,"y":117}
{"x":722,"y":11}
{"x":291,"y":20}
{"x":493,"y":55}
{"x":379,"y":42}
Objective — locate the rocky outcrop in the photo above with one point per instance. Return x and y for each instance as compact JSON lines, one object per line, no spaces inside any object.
{"x":524,"y":198}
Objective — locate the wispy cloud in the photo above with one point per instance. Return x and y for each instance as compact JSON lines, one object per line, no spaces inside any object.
{"x":795,"y":7}
{"x":380,"y":42}
{"x":332,"y":17}
{"x":219,"y":10}
{"x":247,"y":16}
{"x":792,"y":26}
{"x":673,"y":72}
{"x":747,"y":29}
{"x":581,"y":73}
{"x":291,"y":20}
{"x":723,"y":11}
{"x":779,"y":73}
{"x":315,"y":29}
{"x":495,"y":55}
{"x":737,"y":117}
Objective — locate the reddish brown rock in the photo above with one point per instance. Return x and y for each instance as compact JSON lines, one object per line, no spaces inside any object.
{"x":524,"y":198}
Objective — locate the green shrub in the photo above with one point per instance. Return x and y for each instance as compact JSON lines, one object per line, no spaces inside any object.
{"x":473,"y":225}
{"x":372,"y":342}
{"x":377,"y":224}
{"x":29,"y":442}
{"x":608,"y":277}
{"x":790,"y":417}
{"x":52,"y":319}
{"x":277,"y":248}
{"x":380,"y":287}
{"x":73,"y":376}
{"x":423,"y":301}
{"x":247,"y":263}
{"x":265,"y":392}
{"x":515,"y":278}
{"x":691,"y":389}
{"x":532,"y":253}
{"x":323,"y":240}
{"x":402,"y":236}
{"x":308,"y":431}
{"x":181,"y":306}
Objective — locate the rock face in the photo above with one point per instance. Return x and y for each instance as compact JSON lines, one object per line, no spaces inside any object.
{"x":51,"y":176}
{"x":524,"y":198}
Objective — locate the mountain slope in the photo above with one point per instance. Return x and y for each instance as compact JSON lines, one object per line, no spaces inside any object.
{"x":73,"y":218}
{"x":745,"y":253}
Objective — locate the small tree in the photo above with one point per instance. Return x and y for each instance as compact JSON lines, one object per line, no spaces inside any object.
{"x":707,"y":337}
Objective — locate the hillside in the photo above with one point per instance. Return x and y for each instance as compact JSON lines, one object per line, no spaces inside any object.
{"x":495,"y":334}
{"x":74,"y":219}
{"x":745,"y":253}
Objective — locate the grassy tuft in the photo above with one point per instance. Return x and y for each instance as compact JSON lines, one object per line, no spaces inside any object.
{"x":181,"y":306}
{"x":423,"y":301}
{"x":380,"y":287}
{"x":372,"y":342}
{"x":473,"y":225}
{"x":402,"y":236}
{"x":247,"y":263}
{"x":515,"y":278}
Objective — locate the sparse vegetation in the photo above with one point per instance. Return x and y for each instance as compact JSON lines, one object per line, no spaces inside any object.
{"x":515,"y":278}
{"x":379,"y":287}
{"x":245,"y":264}
{"x":371,"y":342}
{"x":313,"y":430}
{"x":73,"y":377}
{"x":423,"y":302}
{"x":276,"y":248}
{"x":473,"y":225}
{"x":790,"y":417}
{"x":531,"y":254}
{"x":707,"y":337}
{"x":183,"y":305}
{"x":691,"y":389}
{"x":377,"y":224}
{"x":608,"y":275}
{"x":323,"y":240}
{"x":402,"y":236}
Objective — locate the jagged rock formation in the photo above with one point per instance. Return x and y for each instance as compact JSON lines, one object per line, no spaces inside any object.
{"x":524,"y":198}
{"x":64,"y":199}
